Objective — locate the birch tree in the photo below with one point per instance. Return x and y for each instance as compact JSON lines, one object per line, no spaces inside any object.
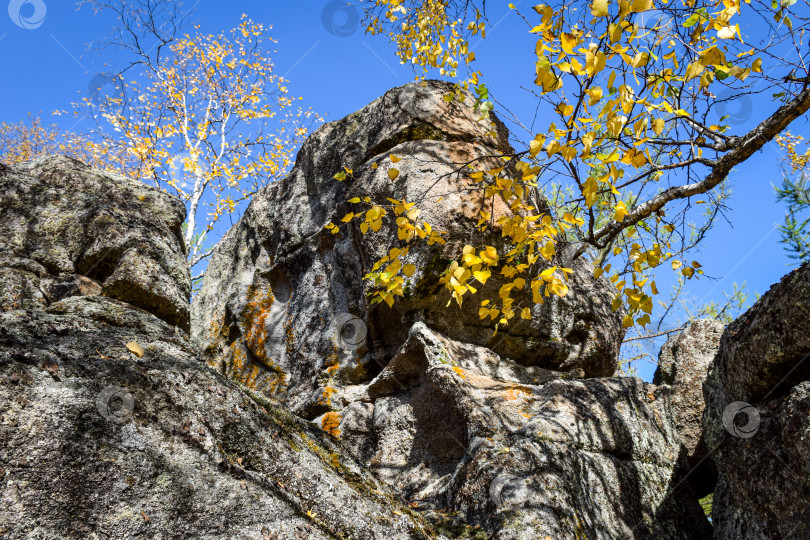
{"x":209,"y":119}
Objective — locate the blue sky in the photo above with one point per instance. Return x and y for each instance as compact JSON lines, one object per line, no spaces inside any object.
{"x":338,"y":69}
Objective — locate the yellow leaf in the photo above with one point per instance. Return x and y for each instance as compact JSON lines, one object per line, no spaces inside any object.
{"x":526,"y":313}
{"x":693,"y":70}
{"x":535,"y":146}
{"x":482,"y":275}
{"x":676,"y":264}
{"x":599,"y":8}
{"x":640,"y":59}
{"x":641,"y":5}
{"x":395,"y":159}
{"x":573,"y":220}
{"x":392,"y":174}
{"x":135,"y":348}
{"x":627,"y":321}
{"x":489,"y":255}
{"x":568,"y":41}
{"x":589,"y":190}
{"x":621,"y":211}
{"x":409,"y":269}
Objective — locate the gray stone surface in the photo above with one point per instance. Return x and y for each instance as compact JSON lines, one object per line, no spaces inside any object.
{"x":97,"y":441}
{"x":523,"y":455}
{"x":278,"y":281}
{"x":69,"y":230}
{"x":683,"y":364}
{"x":762,"y":453}
{"x":491,"y":435}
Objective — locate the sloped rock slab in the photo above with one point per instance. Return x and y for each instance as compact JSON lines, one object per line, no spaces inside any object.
{"x":98,"y":443}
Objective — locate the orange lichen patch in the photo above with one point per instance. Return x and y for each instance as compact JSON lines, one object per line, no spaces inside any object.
{"x":330,"y":423}
{"x":460,"y":372}
{"x":517,"y":392}
{"x":332,"y":364}
{"x":217,"y":330}
{"x":249,"y":362}
{"x":259,"y":301}
{"x":326,"y":395}
{"x":238,"y":359}
{"x":289,"y":333}
{"x":275,"y":384}
{"x":264,"y":377}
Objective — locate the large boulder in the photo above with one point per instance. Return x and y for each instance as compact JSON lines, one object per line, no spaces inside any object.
{"x":110,"y":425}
{"x":70,"y":230}
{"x":509,"y":434}
{"x":683,"y":364}
{"x":757,"y":429}
{"x":522,"y":452}
{"x":279,"y":283}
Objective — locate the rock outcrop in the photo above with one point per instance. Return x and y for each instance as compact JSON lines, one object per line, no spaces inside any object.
{"x":497,"y":429}
{"x":110,"y":425}
{"x":683,"y":364}
{"x":757,"y":429}
{"x":69,"y":230}
{"x":523,"y":453}
{"x":279,"y":282}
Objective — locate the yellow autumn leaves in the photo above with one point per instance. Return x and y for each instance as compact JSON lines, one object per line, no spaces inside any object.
{"x":425,"y":35}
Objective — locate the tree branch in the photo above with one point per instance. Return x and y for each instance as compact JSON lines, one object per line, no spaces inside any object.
{"x":745,"y":148}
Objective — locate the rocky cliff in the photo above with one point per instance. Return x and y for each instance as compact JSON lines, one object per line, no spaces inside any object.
{"x":110,"y":426}
{"x":279,"y":282}
{"x":298,"y":410}
{"x":756,"y":424}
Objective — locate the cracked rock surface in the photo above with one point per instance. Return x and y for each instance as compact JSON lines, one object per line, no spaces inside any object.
{"x":756,"y":423}
{"x":110,"y":425}
{"x":279,"y":281}
{"x":518,"y":434}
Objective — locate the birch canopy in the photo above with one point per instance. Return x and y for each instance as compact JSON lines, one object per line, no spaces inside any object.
{"x":206,"y":116}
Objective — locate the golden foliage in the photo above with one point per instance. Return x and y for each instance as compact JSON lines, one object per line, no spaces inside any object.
{"x":212,"y":123}
{"x":629,"y":84}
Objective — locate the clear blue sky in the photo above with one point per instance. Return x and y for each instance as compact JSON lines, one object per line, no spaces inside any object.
{"x":338,"y":69}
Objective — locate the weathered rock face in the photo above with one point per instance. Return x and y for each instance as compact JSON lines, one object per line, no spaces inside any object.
{"x":757,"y":429}
{"x":521,"y":452}
{"x":96,"y":441}
{"x":683,"y":364}
{"x":70,"y":230}
{"x":279,"y":283}
{"x":495,"y":429}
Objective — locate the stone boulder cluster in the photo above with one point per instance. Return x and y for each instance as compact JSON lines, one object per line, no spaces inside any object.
{"x":281,"y":403}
